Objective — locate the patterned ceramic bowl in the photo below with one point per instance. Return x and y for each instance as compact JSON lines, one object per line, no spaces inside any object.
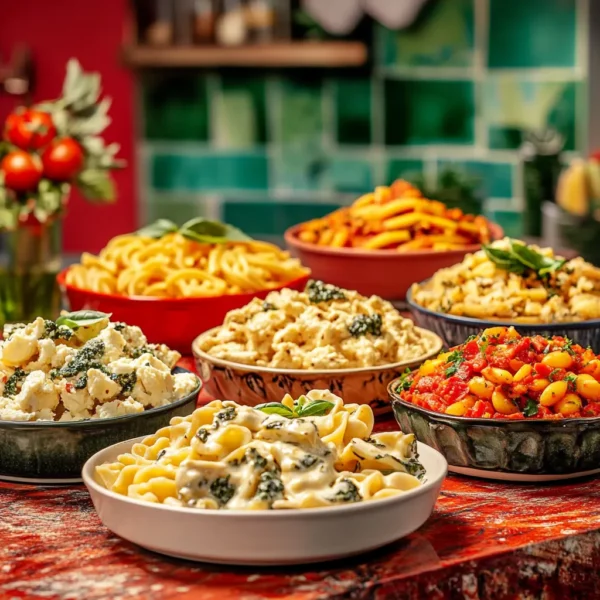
{"x":455,"y":330}
{"x":252,"y":385}
{"x":515,"y":450}
{"x":54,"y":452}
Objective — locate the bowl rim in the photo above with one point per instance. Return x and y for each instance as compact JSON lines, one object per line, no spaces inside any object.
{"x":88,"y":478}
{"x":291,"y":238}
{"x":67,"y":287}
{"x":482,"y":323}
{"x":94,"y":423}
{"x":221,"y":362}
{"x":396,"y":399}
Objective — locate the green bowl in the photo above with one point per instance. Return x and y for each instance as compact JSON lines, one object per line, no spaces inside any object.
{"x":55,"y":452}
{"x":504,"y":449}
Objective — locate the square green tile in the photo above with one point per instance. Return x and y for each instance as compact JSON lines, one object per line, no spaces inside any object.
{"x":403,"y":169}
{"x":351,"y":175}
{"x":512,"y":105}
{"x":443,"y":35}
{"x":239,"y":113}
{"x":353,"y":110}
{"x":429,"y":112}
{"x":299,"y":167}
{"x":217,"y":171}
{"x":300,"y":118}
{"x":272,"y":217}
{"x":532,"y":33}
{"x":175,"y":107}
{"x":495,"y":179}
{"x":511,"y":221}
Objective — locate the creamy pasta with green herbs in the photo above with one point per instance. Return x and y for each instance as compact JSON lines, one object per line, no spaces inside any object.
{"x":311,"y":452}
{"x":324,"y":327}
{"x":82,"y":366}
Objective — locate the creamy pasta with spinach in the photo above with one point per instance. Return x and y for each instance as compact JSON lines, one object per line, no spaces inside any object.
{"x":324,"y":327}
{"x":82,"y":366}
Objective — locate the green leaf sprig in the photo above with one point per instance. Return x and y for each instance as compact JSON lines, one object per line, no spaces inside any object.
{"x":302,"y":408}
{"x":522,"y":259}
{"x":81,"y":318}
{"x":199,"y":230}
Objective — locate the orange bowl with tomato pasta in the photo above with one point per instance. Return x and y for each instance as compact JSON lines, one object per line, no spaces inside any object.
{"x":387,"y":240}
{"x":503,"y":404}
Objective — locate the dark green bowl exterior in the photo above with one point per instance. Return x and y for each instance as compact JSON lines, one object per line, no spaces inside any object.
{"x":455,"y":330}
{"x":534,"y":447}
{"x":54,"y":450}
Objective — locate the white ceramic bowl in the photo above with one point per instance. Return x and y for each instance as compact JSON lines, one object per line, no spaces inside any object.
{"x":270,"y":537}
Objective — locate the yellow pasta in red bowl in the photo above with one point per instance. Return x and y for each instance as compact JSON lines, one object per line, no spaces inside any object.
{"x":178,"y":282}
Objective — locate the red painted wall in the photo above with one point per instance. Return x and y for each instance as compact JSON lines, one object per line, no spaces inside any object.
{"x":92,"y":32}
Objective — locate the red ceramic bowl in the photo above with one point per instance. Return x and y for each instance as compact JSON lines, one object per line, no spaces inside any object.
{"x":385,"y":273}
{"x":172,"y":321}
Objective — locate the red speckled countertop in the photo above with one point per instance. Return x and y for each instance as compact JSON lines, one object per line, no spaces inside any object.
{"x":485,"y":540}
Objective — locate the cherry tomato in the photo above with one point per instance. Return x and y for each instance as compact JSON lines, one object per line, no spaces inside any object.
{"x":22,"y":171}
{"x":542,"y":370}
{"x":29,"y":129}
{"x":63,"y":159}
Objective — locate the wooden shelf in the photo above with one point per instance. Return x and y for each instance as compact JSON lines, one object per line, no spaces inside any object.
{"x":285,"y":54}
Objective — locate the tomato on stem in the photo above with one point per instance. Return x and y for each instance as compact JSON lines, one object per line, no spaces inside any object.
{"x":22,"y":171}
{"x":29,"y":129}
{"x":63,"y":159}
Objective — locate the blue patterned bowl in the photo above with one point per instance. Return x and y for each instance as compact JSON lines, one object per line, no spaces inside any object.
{"x":54,"y":452}
{"x":517,"y":450}
{"x":455,"y":330}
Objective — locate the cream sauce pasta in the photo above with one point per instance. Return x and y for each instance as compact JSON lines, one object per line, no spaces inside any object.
{"x":226,"y":456}
{"x":321,"y":328}
{"x":51,"y":372}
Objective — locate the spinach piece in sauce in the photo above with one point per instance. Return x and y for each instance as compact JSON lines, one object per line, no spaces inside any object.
{"x":127,"y":381}
{"x":306,"y":462}
{"x":270,"y":486}
{"x":85,"y":359}
{"x":364,"y":324}
{"x":318,"y":291}
{"x":222,"y":490}
{"x":202,"y":434}
{"x":346,"y":492}
{"x":15,"y":380}
{"x":57,"y":332}
{"x":227,"y":414}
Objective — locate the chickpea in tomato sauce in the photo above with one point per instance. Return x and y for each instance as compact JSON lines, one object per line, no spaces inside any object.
{"x":500,"y":374}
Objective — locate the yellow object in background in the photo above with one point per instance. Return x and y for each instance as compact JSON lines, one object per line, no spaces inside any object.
{"x":396,"y":217}
{"x":579,"y":186}
{"x":176,"y":267}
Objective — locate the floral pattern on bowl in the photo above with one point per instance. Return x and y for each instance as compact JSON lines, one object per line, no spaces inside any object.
{"x":252,"y":385}
{"x":532,"y":446}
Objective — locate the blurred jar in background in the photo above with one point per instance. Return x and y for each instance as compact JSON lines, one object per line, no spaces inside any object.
{"x":232,"y":27}
{"x":204,"y":21}
{"x":160,"y":30}
{"x":261,"y":19}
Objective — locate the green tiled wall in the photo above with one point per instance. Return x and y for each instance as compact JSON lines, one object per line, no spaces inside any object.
{"x":264,"y":150}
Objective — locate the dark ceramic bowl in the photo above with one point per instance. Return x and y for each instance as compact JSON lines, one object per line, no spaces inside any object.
{"x":455,"y":330}
{"x":252,"y":385}
{"x":54,"y":452}
{"x":505,"y":449}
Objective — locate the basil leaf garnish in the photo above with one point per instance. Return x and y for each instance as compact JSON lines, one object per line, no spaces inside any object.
{"x":212,"y":232}
{"x":82,"y":318}
{"x":158,"y":229}
{"x":317,"y":408}
{"x":276,"y":408}
{"x":521,"y":258}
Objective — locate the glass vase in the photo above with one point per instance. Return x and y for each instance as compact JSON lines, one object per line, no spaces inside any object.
{"x":30,"y":259}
